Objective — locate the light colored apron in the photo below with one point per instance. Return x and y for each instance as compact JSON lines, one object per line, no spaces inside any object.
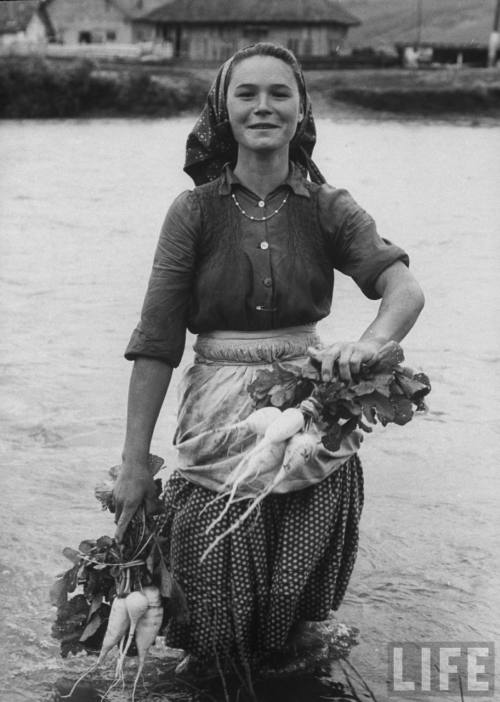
{"x":213,"y":399}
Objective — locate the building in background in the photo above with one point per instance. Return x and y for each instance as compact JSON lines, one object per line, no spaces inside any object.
{"x":445,"y":54}
{"x":212,"y":30}
{"x":100,"y":21}
{"x":24,"y":22}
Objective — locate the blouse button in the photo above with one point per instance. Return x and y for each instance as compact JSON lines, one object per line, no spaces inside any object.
{"x":267,"y":282}
{"x":264,"y":245}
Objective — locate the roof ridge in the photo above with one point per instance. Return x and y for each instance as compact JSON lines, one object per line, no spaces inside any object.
{"x":238,"y":11}
{"x":116,"y":3}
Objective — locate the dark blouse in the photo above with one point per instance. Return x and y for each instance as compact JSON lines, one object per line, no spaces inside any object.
{"x":215,"y":269}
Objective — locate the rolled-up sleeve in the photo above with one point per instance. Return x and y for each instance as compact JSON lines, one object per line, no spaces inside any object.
{"x":356,"y":247}
{"x":161,"y":332}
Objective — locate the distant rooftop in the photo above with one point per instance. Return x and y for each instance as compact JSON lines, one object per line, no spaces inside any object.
{"x":15,"y":15}
{"x":253,"y":12}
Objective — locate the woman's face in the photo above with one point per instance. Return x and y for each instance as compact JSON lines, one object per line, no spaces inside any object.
{"x":263,"y":104}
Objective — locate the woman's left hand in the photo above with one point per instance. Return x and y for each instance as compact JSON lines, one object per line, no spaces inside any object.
{"x":348,"y":355}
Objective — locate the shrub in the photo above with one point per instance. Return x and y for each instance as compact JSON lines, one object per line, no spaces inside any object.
{"x":38,"y":88}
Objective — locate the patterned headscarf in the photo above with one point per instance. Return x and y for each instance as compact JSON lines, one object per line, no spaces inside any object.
{"x":211,"y":144}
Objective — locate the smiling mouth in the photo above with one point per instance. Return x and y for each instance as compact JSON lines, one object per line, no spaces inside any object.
{"x":263,"y":126}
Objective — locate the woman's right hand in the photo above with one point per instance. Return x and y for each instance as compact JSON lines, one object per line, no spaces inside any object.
{"x":134,"y":486}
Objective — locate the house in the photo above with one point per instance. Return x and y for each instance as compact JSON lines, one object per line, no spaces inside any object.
{"x":459,"y":54}
{"x":100,"y":21}
{"x":441,"y":38}
{"x":212,"y":30}
{"x":23,"y":22}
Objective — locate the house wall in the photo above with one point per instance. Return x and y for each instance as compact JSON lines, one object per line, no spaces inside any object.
{"x":35,"y":33}
{"x":12,"y":38}
{"x":461,"y":55}
{"x":101,"y":20}
{"x":219,"y":43}
{"x":143,"y":31}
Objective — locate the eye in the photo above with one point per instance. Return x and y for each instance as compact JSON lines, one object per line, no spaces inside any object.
{"x":245,"y":94}
{"x":281,"y":93}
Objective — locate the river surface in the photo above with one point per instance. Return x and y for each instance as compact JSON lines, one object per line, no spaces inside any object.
{"x":81,"y":206}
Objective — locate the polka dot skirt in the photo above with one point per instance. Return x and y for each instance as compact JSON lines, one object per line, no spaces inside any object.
{"x":290,"y":561}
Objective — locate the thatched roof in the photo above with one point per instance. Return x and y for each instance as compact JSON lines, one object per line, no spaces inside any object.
{"x":121,"y":5}
{"x":252,"y":12}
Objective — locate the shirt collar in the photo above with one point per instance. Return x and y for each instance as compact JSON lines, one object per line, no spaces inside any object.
{"x":295,"y":180}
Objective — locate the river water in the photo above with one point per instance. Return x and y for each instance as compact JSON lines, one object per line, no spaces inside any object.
{"x":81,"y":207}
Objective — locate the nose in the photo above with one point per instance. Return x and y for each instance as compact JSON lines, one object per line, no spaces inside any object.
{"x":262,"y":106}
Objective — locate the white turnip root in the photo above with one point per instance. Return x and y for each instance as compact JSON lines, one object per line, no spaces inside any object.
{"x":137,"y":605}
{"x":274,"y":449}
{"x":300,"y":447}
{"x":265,"y":457}
{"x":286,"y":425}
{"x":118,"y":624}
{"x":147,"y":629}
{"x":259,"y":421}
{"x":152,"y":594}
{"x":296,"y":451}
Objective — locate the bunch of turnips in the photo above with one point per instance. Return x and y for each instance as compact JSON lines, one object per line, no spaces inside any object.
{"x":297,"y":413}
{"x":117,"y":595}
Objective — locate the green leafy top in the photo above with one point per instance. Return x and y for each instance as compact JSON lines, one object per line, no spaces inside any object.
{"x":385,"y":391}
{"x":102,"y":569}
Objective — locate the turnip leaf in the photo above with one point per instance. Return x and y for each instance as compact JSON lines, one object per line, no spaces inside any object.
{"x":91,"y":628}
{"x":72,"y":555}
{"x":58,"y":593}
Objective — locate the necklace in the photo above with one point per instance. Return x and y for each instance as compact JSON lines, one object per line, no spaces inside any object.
{"x":261,"y":204}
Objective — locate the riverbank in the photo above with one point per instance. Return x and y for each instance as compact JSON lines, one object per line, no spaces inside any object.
{"x":35,"y":88}
{"x":444,"y":91}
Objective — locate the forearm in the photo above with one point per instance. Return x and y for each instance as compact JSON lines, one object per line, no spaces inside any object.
{"x":402,"y":302}
{"x":148,"y":385}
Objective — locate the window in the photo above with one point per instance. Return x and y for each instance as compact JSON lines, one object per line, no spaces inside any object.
{"x":85,"y":38}
{"x":110,"y":36}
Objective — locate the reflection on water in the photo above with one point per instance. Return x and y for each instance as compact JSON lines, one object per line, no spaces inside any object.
{"x":300,"y":688}
{"x":85,"y":692}
{"x":81,"y":208}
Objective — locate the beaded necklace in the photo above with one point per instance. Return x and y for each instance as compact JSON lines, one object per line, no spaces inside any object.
{"x":261,"y":204}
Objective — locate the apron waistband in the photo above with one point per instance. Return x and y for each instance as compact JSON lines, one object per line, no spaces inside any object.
{"x":261,"y":347}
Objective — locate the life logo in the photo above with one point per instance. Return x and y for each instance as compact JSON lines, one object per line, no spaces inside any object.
{"x":460,"y":668}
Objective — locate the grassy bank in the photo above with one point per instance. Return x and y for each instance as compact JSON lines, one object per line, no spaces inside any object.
{"x":33,"y":88}
{"x":41,"y":89}
{"x":466,"y":91}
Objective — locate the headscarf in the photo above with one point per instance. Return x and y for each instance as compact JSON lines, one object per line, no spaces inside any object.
{"x":210,"y":144}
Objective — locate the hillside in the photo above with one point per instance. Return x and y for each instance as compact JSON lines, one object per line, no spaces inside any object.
{"x":389,"y":21}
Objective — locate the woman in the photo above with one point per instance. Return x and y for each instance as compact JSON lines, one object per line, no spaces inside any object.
{"x":246,"y":261}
